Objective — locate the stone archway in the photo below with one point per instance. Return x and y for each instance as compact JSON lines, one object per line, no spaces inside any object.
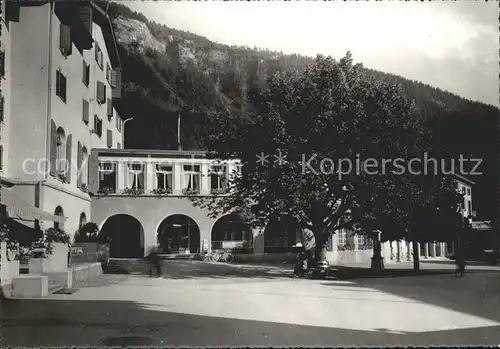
{"x":179,"y":234}
{"x":126,"y":234}
{"x":232,"y":232}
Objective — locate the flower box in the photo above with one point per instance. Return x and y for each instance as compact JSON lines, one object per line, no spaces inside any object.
{"x":162,"y":191}
{"x":38,"y":265}
{"x":57,"y":261}
{"x":190,"y":191}
{"x":218,"y":191}
{"x":105,"y":191}
{"x":133,"y":192}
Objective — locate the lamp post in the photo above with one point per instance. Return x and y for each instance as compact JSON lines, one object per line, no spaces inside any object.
{"x":123,"y":131}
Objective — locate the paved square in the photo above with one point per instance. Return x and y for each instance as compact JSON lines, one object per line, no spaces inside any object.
{"x":205,"y":304}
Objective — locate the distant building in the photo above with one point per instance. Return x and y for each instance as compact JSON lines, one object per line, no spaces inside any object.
{"x":61,"y":73}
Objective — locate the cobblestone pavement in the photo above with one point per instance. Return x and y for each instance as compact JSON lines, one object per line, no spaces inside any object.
{"x":247,"y":305}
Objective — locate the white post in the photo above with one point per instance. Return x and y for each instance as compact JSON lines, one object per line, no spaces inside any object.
{"x":149,"y":177}
{"x":205,"y":190}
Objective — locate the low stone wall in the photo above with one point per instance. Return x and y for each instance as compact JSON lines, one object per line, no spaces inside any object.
{"x":30,"y":286}
{"x":356,"y":256}
{"x":86,"y":271}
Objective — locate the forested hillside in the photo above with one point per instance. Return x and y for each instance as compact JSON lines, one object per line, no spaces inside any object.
{"x":167,"y":71}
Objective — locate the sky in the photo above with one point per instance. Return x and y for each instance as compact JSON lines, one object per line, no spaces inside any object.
{"x":450,"y":45}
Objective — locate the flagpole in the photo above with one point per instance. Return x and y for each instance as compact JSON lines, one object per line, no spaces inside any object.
{"x":179,"y":145}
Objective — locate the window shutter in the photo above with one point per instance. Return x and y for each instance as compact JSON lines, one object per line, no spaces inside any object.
{"x":97,"y":52}
{"x":95,"y":122}
{"x":58,"y":83}
{"x":87,"y":73}
{"x":79,"y":161}
{"x":53,"y":148}
{"x":110,"y":107}
{"x":108,"y":72}
{"x":68,"y":158}
{"x":93,"y":172}
{"x":2,"y":63}
{"x":85,"y":111}
{"x":110,"y":139}
{"x":116,"y":83}
{"x":101,"y":96}
{"x":2,"y":102}
{"x":63,"y":86}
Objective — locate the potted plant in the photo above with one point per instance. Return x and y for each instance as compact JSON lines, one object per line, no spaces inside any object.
{"x":84,"y":188}
{"x":218,"y":191}
{"x":190,"y":191}
{"x":133,"y":191}
{"x":162,"y":191}
{"x":51,"y":251}
{"x":62,"y":175}
{"x":12,"y":246}
{"x":105,"y":190}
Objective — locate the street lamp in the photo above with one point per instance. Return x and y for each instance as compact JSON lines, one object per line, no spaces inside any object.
{"x":123,"y":131}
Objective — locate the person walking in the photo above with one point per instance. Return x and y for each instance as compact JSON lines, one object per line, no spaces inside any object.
{"x":460,"y":264}
{"x":154,"y":262}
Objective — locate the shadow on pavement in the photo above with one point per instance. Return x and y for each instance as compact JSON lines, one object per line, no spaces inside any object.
{"x":96,"y":323}
{"x":180,"y":270}
{"x":477,"y":293}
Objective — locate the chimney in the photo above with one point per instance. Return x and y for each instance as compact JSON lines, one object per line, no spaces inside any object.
{"x":179,"y":145}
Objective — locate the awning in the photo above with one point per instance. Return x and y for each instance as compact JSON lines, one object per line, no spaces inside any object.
{"x":18,"y":208}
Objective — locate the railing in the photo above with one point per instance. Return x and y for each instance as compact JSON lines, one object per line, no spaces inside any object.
{"x":217,"y":245}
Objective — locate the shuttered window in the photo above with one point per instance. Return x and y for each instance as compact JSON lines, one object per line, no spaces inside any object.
{"x":101,"y":92}
{"x":116,"y":83}
{"x":109,"y":105}
{"x":61,"y":85}
{"x":108,"y":73}
{"x":65,"y":39}
{"x":2,"y":102}
{"x":110,"y":139}
{"x":53,"y":148}
{"x":1,"y":157}
{"x":97,"y":126}
{"x":69,"y":142}
{"x":86,"y":73}
{"x":98,"y":55}
{"x":79,"y":160}
{"x":85,"y":111}
{"x":2,"y":63}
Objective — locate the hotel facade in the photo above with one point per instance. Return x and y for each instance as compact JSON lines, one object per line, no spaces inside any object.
{"x":60,"y":76}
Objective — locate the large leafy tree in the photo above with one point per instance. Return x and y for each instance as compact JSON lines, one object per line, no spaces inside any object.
{"x":313,"y":126}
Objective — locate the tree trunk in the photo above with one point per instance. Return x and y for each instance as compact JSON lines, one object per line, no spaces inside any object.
{"x":416,"y":258}
{"x":320,"y":248}
{"x":377,"y":262}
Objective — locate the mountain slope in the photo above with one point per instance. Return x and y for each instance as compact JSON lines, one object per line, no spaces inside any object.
{"x":167,"y":71}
